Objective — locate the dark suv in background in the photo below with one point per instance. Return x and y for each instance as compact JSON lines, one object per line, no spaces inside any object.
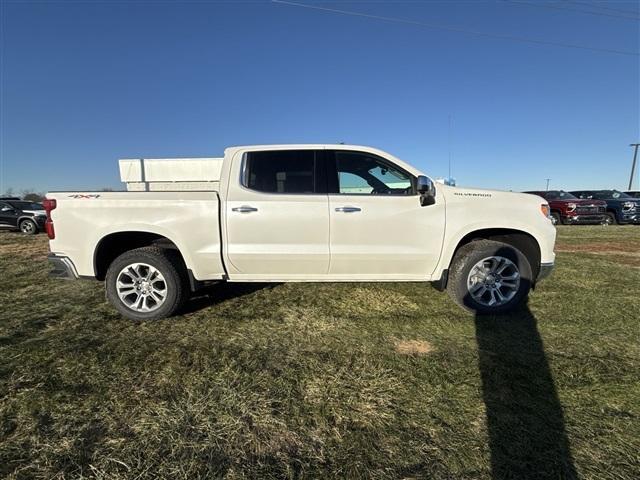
{"x":621,"y":208}
{"x":633,"y":193}
{"x":28,"y":217}
{"x":568,"y":209}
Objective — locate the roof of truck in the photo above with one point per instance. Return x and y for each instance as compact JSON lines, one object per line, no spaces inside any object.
{"x":305,"y":146}
{"x":327,"y":146}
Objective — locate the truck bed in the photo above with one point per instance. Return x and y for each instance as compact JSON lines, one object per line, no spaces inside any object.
{"x":190,"y":220}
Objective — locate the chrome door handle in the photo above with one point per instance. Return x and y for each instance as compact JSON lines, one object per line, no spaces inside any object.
{"x":244,"y":209}
{"x":348,"y":209}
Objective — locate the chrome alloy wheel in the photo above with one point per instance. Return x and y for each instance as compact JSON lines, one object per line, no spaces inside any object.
{"x":493,"y":281}
{"x":27,"y":226}
{"x":141,"y":287}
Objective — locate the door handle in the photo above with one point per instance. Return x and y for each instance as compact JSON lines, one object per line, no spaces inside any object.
{"x":348,"y":209}
{"x":244,"y":209}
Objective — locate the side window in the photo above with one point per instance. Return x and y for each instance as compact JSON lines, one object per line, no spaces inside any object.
{"x":281,"y":171}
{"x":362,"y":173}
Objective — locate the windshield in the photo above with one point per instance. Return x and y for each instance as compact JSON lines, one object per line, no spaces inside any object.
{"x":26,"y":205}
{"x":559,"y":195}
{"x":604,"y":194}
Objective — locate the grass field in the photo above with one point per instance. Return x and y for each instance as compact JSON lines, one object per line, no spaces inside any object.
{"x":325,"y":380}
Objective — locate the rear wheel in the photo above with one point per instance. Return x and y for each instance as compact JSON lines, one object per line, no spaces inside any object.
{"x":489,"y":277}
{"x":28,"y":227}
{"x":147,"y":283}
{"x":555,"y":218}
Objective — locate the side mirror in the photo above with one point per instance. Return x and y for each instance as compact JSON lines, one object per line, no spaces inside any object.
{"x":427,"y":190}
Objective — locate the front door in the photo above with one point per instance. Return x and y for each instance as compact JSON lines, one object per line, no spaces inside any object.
{"x":379,"y":230}
{"x":277,"y":217}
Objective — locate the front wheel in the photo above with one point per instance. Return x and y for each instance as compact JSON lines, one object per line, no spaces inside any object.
{"x":489,"y":277}
{"x":610,"y":219}
{"x":147,"y":283}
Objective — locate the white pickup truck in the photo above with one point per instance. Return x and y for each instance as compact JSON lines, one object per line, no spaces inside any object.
{"x":296,"y":213}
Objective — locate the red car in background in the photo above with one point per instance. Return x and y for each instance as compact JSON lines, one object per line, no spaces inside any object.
{"x":568,"y":209}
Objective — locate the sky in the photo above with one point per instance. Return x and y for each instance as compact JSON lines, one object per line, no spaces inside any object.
{"x":84,"y":83}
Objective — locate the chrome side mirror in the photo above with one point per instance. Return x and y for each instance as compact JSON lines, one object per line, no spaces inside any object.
{"x":427,"y":190}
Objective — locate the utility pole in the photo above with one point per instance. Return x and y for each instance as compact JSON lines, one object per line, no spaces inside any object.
{"x":449,"y":141}
{"x":547,"y":179}
{"x":633,"y":165}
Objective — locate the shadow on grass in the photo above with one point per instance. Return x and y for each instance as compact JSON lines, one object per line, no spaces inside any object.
{"x":222,"y":292}
{"x":525,"y":421}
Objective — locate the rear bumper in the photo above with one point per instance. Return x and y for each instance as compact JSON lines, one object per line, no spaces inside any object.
{"x":62,"y":267}
{"x":545,"y":271}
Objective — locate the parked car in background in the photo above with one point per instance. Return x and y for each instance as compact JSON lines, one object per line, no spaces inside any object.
{"x":28,"y":217}
{"x":567,"y":209}
{"x":633,"y":193}
{"x":621,"y":208}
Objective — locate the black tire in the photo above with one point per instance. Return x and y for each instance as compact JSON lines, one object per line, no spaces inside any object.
{"x":555,"y":218}
{"x":168,"y":263}
{"x":610,"y":219}
{"x":28,"y":227}
{"x":473,"y":253}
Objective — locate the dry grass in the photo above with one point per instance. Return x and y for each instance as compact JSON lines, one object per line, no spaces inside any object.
{"x":325,"y":380}
{"x":413,"y":347}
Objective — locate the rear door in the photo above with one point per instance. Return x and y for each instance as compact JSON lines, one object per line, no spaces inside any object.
{"x":379,"y":230}
{"x":277,"y":219}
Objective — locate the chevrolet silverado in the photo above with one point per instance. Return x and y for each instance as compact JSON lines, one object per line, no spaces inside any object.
{"x":296,"y":213}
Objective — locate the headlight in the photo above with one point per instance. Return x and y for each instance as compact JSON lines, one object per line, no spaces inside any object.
{"x":544,"y":208}
{"x":571,"y":207}
{"x":629,"y":206}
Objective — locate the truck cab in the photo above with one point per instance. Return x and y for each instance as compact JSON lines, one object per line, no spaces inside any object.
{"x":297,"y":213}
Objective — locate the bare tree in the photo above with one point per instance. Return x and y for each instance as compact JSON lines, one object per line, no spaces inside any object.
{"x":33,"y":197}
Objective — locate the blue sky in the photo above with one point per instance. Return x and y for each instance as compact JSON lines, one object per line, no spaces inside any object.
{"x":85,"y":83}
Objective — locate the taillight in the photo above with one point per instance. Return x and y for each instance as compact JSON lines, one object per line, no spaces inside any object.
{"x":49,"y":204}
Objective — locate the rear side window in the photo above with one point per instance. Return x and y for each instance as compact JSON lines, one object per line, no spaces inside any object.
{"x":281,"y":171}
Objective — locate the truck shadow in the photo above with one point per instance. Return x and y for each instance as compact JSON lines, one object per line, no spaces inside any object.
{"x":221,"y":292}
{"x":525,"y":421}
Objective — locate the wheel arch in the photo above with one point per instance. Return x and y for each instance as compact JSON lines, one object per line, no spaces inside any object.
{"x":523,"y":241}
{"x":26,"y":217}
{"x":115,"y":244}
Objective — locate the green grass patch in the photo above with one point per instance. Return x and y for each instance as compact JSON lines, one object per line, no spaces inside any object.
{"x":325,"y":380}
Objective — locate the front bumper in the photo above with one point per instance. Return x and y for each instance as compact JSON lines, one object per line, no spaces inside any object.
{"x":585,"y":219}
{"x":545,"y":271}
{"x":630,"y":218}
{"x":62,"y":267}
